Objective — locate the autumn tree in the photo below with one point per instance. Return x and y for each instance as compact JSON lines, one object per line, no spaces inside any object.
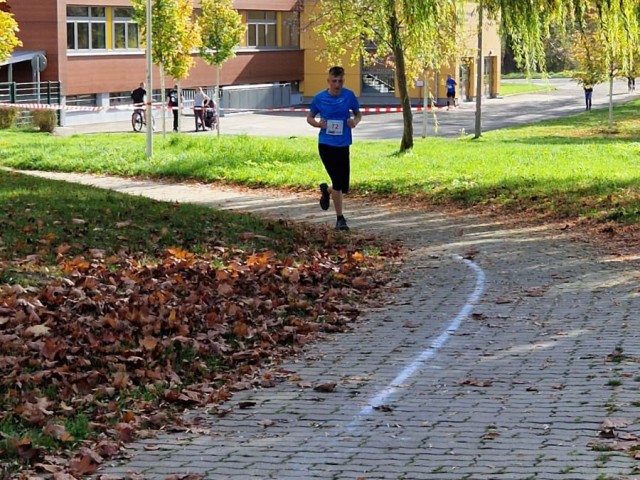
{"x":605,"y":43}
{"x":175,"y":37}
{"x":8,"y":32}
{"x":405,"y":33}
{"x":415,"y":34}
{"x":221,"y":30}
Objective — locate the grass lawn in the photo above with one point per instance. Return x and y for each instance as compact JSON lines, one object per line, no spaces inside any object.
{"x":518,"y":88}
{"x":565,"y":168}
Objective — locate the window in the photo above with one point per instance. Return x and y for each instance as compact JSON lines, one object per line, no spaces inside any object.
{"x":290,"y":29}
{"x":86,"y":28}
{"x":125,"y":30}
{"x":262,"y":29}
{"x":82,"y":100}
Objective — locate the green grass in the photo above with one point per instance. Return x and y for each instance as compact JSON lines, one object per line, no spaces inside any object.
{"x":538,"y":75}
{"x":512,"y":88}
{"x":571,"y":167}
{"x":42,"y":218}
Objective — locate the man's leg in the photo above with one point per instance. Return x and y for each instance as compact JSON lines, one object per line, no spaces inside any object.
{"x":336,"y":196}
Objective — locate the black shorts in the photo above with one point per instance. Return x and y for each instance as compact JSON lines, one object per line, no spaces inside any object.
{"x":451,"y":94}
{"x":337,"y":164}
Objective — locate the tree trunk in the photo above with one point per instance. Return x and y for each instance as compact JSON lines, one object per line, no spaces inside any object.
{"x":401,"y":77}
{"x":217,"y":95}
{"x":611,"y":73}
{"x":479,"y":75}
{"x":179,"y":107}
{"x":164,"y":101}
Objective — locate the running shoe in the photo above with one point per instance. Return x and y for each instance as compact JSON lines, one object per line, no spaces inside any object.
{"x":341,"y":224}
{"x":325,"y":198}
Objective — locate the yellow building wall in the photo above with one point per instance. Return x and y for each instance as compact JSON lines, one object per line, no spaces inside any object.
{"x":315,"y":71}
{"x":491,"y":49}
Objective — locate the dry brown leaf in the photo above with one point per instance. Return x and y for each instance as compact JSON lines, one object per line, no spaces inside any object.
{"x":326,"y":387}
{"x":476,"y":382}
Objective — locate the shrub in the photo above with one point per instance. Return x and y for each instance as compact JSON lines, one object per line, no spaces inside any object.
{"x":45,"y":120}
{"x":8,"y":117}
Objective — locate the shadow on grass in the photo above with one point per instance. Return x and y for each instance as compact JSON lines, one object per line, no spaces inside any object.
{"x":602,"y":200}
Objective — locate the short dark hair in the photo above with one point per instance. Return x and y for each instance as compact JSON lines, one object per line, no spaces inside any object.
{"x":336,"y":71}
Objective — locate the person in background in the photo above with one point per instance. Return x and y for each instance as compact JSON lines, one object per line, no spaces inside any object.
{"x":335,"y":106}
{"x":588,"y":94}
{"x":138,"y":95}
{"x":451,"y":91}
{"x":172,"y":101}
{"x":200,"y":100}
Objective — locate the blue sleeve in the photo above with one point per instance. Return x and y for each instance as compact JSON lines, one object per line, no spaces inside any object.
{"x":313,"y":108}
{"x":355,"y":105}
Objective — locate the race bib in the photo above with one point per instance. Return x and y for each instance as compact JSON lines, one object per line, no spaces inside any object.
{"x":335,"y":127}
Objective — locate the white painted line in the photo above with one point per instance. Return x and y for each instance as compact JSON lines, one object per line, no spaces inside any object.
{"x":437,"y":344}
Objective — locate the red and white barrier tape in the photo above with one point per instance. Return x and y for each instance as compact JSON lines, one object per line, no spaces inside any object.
{"x":75,"y":108}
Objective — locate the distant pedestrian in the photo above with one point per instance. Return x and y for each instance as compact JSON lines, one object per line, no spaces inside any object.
{"x":588,"y":93}
{"x":451,"y":91}
{"x":200,"y":100}
{"x":172,"y":101}
{"x":334,"y":106}
{"x":631,"y":84}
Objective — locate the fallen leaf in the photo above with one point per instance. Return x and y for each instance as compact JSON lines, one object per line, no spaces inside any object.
{"x":383,"y":408}
{"x":327,"y":387}
{"x":503,"y":300}
{"x":37,"y":330}
{"x":476,"y":382}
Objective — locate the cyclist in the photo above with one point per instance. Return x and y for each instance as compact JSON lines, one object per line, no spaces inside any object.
{"x":138,"y":96}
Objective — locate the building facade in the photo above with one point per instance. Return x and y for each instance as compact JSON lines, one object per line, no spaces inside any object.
{"x":93,"y":48}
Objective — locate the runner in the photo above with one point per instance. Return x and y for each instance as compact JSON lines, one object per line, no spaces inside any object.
{"x":334,"y":105}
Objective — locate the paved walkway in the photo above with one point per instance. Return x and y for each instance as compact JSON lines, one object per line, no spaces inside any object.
{"x":489,"y":361}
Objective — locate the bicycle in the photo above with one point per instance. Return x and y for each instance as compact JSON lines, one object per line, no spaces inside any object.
{"x":138,"y":119}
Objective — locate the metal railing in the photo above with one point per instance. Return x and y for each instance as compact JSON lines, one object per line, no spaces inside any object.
{"x":33,"y":92}
{"x":380,"y":76}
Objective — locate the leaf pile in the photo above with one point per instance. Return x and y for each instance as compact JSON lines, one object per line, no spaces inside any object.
{"x":118,"y":343}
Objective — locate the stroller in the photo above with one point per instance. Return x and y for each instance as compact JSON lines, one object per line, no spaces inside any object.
{"x":206,"y":119}
{"x":210,"y":114}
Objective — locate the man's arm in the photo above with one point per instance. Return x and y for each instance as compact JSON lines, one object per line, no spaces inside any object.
{"x":311,"y":120}
{"x":357,"y":116}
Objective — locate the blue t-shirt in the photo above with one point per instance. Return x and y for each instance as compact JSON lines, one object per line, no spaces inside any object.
{"x":451,"y":85}
{"x":336,"y":111}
